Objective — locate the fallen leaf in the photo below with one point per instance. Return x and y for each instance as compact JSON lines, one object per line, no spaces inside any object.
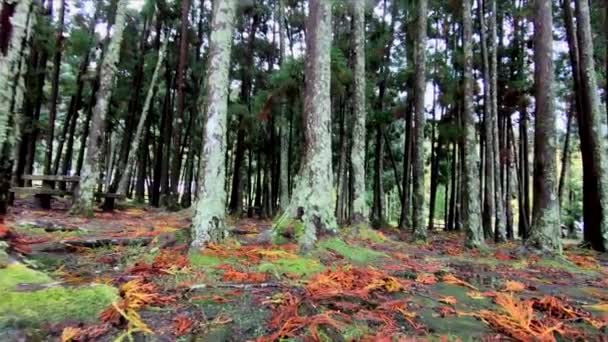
{"x":449,"y":300}
{"x":514,"y":286}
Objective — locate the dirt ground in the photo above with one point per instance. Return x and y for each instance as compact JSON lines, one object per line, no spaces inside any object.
{"x":130,"y":274}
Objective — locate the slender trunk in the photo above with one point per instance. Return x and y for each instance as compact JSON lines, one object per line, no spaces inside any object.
{"x":54,"y":89}
{"x":420,"y":231}
{"x":181,"y":102}
{"x":565,"y":156}
{"x":135,"y":143}
{"x":471,"y":216}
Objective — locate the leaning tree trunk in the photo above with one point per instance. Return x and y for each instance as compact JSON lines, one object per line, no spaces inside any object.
{"x":595,"y":173}
{"x":312,"y":200}
{"x":471,"y":211}
{"x":89,"y":177}
{"x":132,"y":154}
{"x":360,"y":210}
{"x":545,"y":230}
{"x":420,"y":231}
{"x":208,"y":224}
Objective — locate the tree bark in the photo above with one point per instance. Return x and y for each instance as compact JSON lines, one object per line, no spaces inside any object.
{"x":135,"y":143}
{"x":545,"y":232}
{"x":595,"y":172}
{"x":84,"y":197}
{"x":471,"y":216}
{"x":208,"y":223}
{"x":312,"y":201}
{"x":54,"y":90}
{"x":420,"y":229}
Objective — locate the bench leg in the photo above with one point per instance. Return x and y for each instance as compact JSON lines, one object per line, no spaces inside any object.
{"x":108,"y":204}
{"x":44,"y":201}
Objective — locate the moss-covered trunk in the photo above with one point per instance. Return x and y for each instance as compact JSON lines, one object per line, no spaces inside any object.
{"x":471,"y":211}
{"x":360,"y":209}
{"x":313,"y":197}
{"x":545,"y":230}
{"x":208,"y":224}
{"x":420,"y":231}
{"x":90,"y":173}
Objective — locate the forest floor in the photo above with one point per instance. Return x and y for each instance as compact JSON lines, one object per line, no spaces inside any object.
{"x":129,"y":274}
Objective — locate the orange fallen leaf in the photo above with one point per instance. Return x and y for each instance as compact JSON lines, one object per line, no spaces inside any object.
{"x":426,"y":279}
{"x":449,"y":300}
{"x":514,"y":286}
{"x":451,"y":279}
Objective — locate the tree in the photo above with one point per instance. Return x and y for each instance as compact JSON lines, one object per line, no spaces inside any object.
{"x":360,"y":211}
{"x":89,"y":177}
{"x":420,"y":230}
{"x":471,"y":213}
{"x":312,"y":201}
{"x":595,"y":172}
{"x":55,"y":89}
{"x":208,"y":224}
{"x":545,"y":229}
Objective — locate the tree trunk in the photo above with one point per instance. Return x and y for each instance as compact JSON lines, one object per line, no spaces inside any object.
{"x":360,"y":211}
{"x":84,"y":197}
{"x":378,"y":208}
{"x":488,"y":157}
{"x":312,"y":201}
{"x":566,"y":155}
{"x":420,"y":229}
{"x":595,"y":172}
{"x":545,"y":230}
{"x":500,"y":218}
{"x":471,"y":216}
{"x":135,"y":143}
{"x":181,"y":102}
{"x":54,"y":90}
{"x":208,"y":223}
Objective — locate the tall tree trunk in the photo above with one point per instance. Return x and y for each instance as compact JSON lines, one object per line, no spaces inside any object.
{"x":420,"y":231}
{"x":566,"y":155}
{"x":312,"y":201}
{"x":54,"y":89}
{"x":181,"y":102}
{"x":500,"y":218}
{"x":545,"y":230}
{"x":284,"y":122}
{"x":488,"y":157}
{"x":84,"y":197}
{"x":17,"y":28}
{"x":471,"y":213}
{"x":595,"y":172}
{"x":360,"y":211}
{"x":378,"y":208}
{"x":208,"y":223}
{"x":135,"y":143}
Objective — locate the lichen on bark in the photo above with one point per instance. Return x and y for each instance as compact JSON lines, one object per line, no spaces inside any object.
{"x":208,"y":224}
{"x":360,"y":210}
{"x":313,"y":200}
{"x":89,"y":176}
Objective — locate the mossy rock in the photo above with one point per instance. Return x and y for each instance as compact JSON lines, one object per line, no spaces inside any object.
{"x":354,"y":253}
{"x":300,"y":266}
{"x":48,"y":305}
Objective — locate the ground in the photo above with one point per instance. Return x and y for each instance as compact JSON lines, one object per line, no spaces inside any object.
{"x":129,"y":273}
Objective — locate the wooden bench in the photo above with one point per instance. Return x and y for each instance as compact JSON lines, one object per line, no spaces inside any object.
{"x":45,"y":192}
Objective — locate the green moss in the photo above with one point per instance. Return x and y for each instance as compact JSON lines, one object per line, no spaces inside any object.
{"x":564,"y":265}
{"x":357,"y":254}
{"x":16,"y":274}
{"x":300,"y":266}
{"x":206,"y":261}
{"x":50,"y":305}
{"x":355,"y":331}
{"x":284,"y":227}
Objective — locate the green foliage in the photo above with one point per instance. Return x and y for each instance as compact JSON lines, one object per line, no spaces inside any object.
{"x":301,"y":266}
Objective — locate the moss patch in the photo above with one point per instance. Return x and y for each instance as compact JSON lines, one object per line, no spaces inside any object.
{"x":564,"y":265}
{"x":199,"y":260}
{"x":301,"y":266}
{"x":51,"y":305}
{"x":354,"y":253}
